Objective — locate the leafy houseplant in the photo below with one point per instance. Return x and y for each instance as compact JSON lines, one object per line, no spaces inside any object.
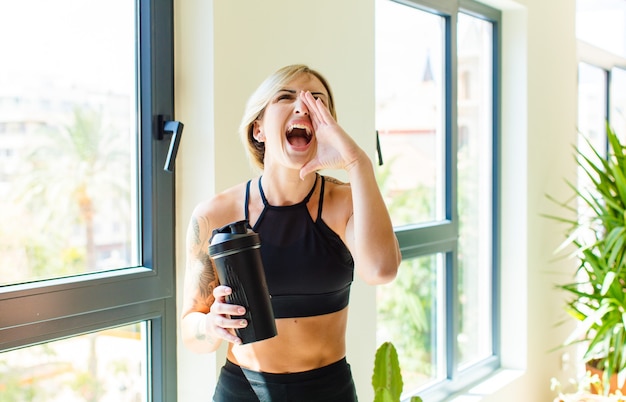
{"x":387,"y":378}
{"x":598,"y":296}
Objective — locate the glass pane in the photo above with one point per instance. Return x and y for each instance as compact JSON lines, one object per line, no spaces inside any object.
{"x":618,"y":102}
{"x":106,"y":366}
{"x":592,"y":95}
{"x":410,"y":314}
{"x":602,"y":23}
{"x":409,"y":111}
{"x":68,"y":143}
{"x":475,"y":181}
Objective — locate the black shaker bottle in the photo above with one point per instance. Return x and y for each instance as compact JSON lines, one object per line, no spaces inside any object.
{"x":235,"y":249}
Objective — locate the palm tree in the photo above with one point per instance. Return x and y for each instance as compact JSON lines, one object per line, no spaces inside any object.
{"x":73,"y":171}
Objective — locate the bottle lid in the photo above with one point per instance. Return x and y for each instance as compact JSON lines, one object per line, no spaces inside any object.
{"x":232,"y":237}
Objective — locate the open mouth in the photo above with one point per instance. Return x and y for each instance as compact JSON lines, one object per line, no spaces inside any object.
{"x":299,"y":135}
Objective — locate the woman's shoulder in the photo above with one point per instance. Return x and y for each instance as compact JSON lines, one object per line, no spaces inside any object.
{"x":336,"y":188}
{"x":224,"y":207}
{"x":337,"y":199}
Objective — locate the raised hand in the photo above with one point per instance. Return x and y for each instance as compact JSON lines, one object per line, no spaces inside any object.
{"x":335,"y":148}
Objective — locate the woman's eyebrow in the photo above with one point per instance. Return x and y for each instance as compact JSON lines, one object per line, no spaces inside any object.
{"x":293,"y":91}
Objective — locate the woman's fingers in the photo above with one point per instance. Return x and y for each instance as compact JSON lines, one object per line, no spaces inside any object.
{"x":234,"y":323}
{"x":319,"y":113}
{"x":225,"y":317}
{"x":221,"y":306}
{"x":220,"y":292}
{"x":228,"y":336}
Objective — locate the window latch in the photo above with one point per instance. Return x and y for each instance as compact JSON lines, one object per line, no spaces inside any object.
{"x":175,"y":128}
{"x":379,"y":151}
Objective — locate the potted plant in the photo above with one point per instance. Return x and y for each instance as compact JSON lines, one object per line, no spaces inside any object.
{"x":598,"y":235}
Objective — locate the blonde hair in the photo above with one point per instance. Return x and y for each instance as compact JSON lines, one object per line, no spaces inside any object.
{"x":261,"y":97}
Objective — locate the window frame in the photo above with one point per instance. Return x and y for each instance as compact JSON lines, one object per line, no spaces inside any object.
{"x":49,"y":310}
{"x":418,"y":240}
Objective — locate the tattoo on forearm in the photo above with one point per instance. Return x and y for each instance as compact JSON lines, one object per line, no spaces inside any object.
{"x":206,"y":284}
{"x":196,"y":231}
{"x":207,"y":278}
{"x":203,"y":265}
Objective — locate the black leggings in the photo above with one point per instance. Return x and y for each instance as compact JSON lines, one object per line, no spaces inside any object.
{"x":332,"y":383}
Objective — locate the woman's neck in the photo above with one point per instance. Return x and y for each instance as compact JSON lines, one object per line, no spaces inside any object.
{"x":284,"y":188}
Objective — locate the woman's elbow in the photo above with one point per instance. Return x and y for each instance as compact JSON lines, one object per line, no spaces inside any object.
{"x":381,"y":272}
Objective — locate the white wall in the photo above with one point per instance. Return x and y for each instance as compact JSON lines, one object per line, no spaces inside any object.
{"x":224,"y":48}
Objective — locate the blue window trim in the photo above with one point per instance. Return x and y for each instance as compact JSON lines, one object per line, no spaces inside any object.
{"x":39,"y":312}
{"x":441,"y":237}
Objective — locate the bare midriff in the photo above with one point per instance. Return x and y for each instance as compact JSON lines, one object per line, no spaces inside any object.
{"x":302,"y":344}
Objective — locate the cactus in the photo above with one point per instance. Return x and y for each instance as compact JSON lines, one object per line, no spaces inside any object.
{"x":387,"y":378}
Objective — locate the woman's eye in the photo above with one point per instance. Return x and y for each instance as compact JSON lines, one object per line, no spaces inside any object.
{"x":284,"y":97}
{"x":320,"y":97}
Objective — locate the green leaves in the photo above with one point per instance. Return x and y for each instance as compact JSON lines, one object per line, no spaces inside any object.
{"x":598,"y":299}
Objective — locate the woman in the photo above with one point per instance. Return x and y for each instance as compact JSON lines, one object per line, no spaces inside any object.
{"x":315,"y":231}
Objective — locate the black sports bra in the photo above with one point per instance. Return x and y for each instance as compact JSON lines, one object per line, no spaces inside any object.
{"x":308,"y":268}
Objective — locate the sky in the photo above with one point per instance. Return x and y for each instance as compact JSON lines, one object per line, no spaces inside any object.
{"x":75,"y":42}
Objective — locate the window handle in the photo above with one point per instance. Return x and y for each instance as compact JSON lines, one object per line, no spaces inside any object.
{"x":176,"y":129}
{"x":379,"y":151}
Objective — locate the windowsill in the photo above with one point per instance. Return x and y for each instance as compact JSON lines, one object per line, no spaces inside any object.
{"x":494,"y":383}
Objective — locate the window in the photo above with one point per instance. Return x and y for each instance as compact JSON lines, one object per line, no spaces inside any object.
{"x":437,"y":120}
{"x":592,"y":105}
{"x":601,"y":69}
{"x":86,"y":207}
